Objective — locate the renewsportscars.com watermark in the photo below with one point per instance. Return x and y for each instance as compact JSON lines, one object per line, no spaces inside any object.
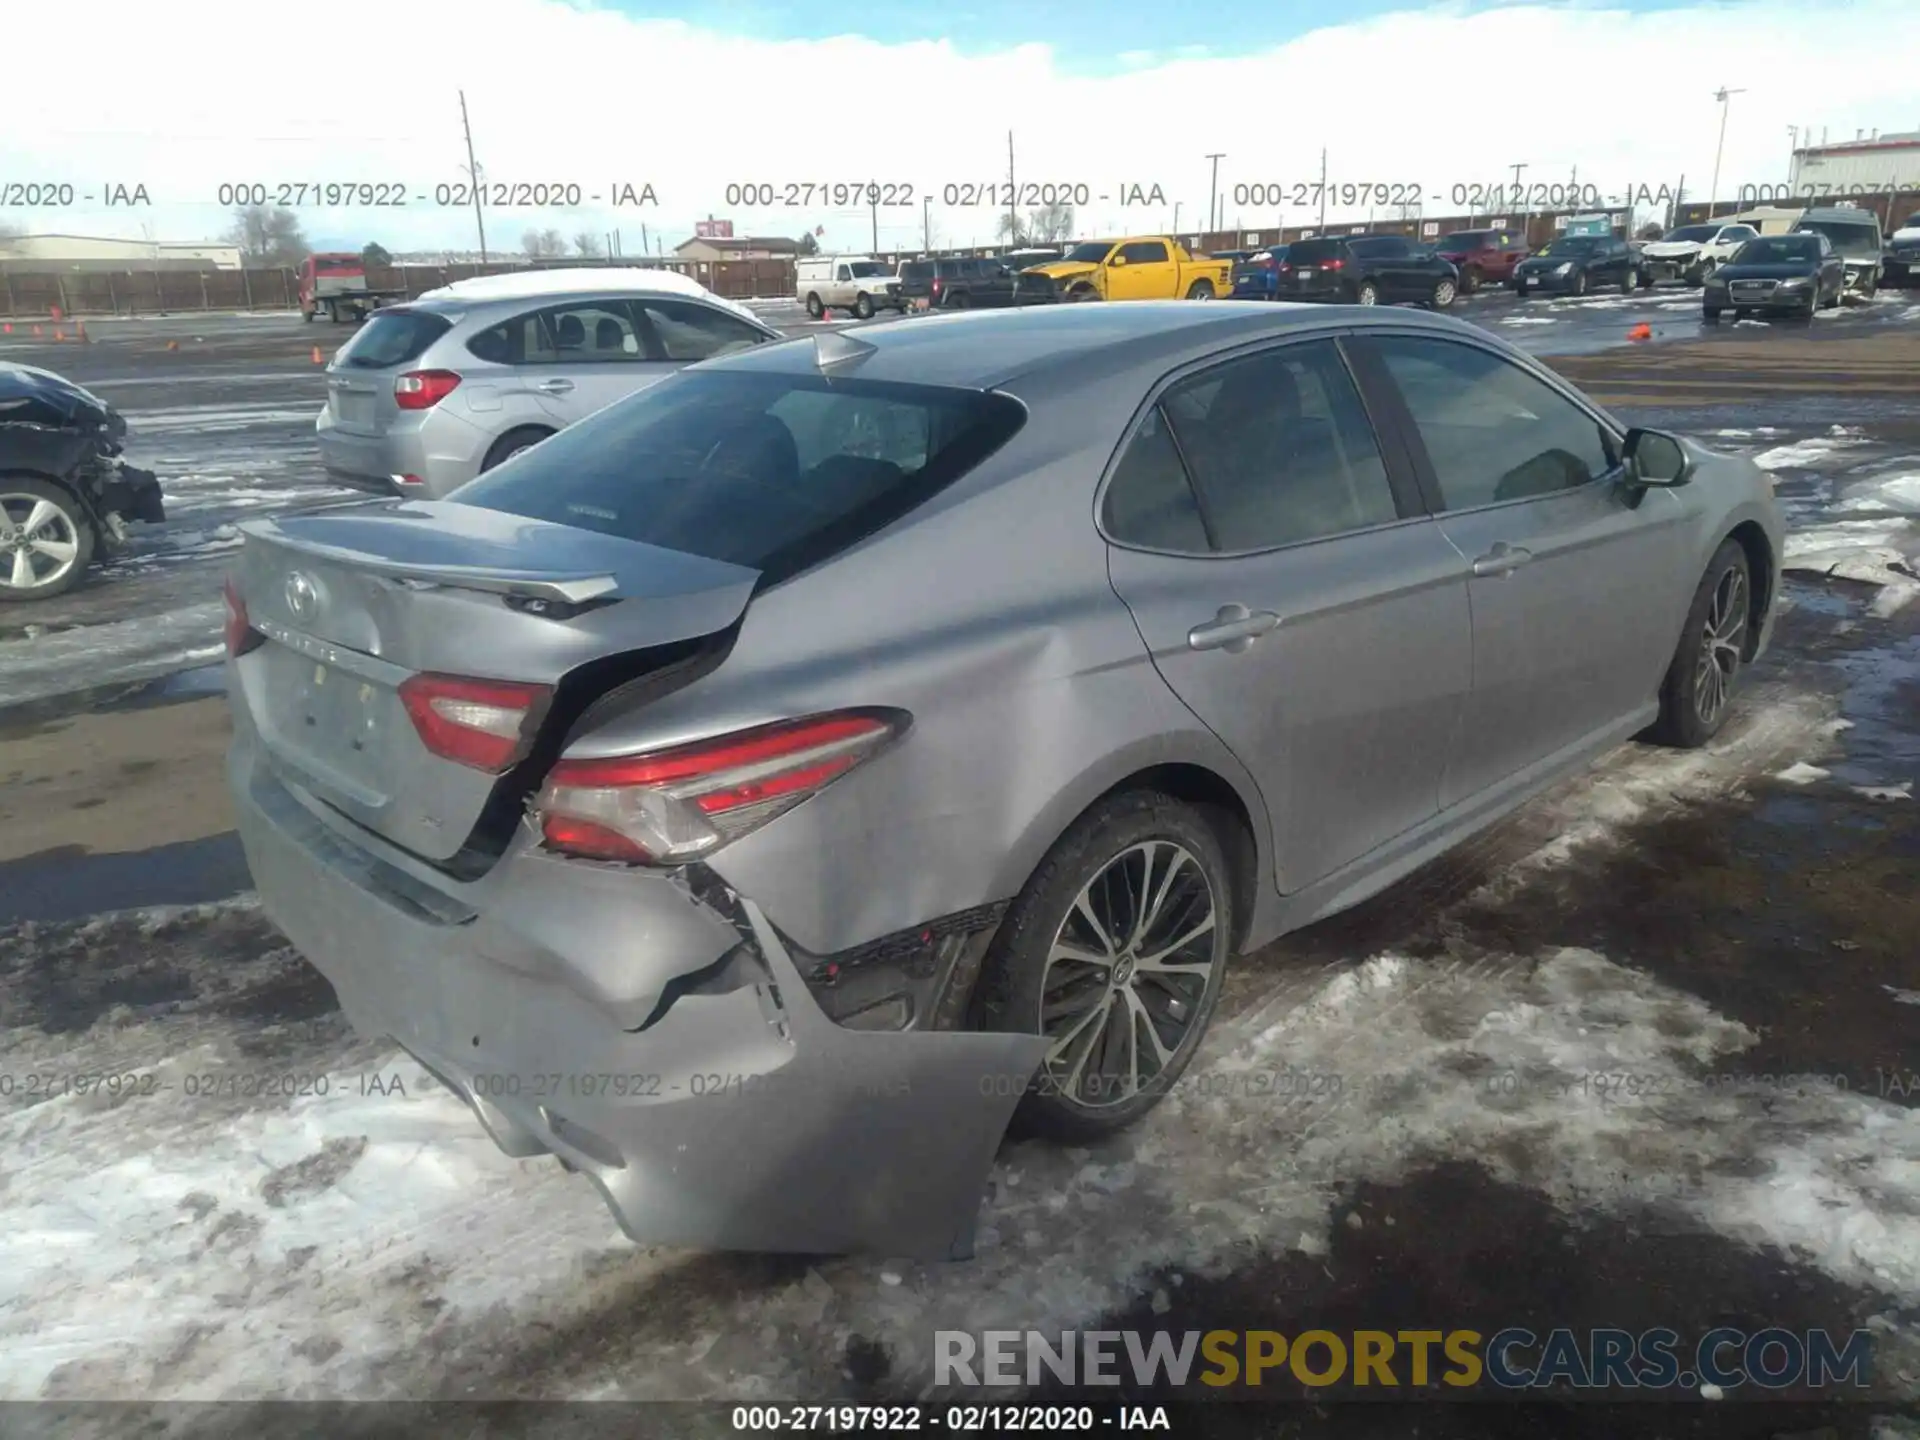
{"x":1511,"y":1359}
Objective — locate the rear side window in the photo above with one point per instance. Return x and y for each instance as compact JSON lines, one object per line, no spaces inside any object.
{"x":392,"y":337}
{"x":1144,"y":252}
{"x":1379,"y":247}
{"x":774,"y":472}
{"x":1281,"y":448}
{"x":689,"y":331}
{"x":1150,"y":502}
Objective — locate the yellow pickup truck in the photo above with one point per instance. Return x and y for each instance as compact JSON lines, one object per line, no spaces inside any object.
{"x":1140,"y":267}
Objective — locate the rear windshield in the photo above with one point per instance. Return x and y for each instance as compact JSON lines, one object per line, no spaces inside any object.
{"x":1311,"y":252}
{"x":392,"y":337}
{"x":1379,"y":245}
{"x":773,"y":472}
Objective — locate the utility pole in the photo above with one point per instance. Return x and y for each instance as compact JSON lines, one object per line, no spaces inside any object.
{"x":1517,"y":169}
{"x":1013,"y":195}
{"x":926,"y":224}
{"x":1323,"y":188}
{"x":1176,"y":219}
{"x":873,"y":199}
{"x":1213,"y":194}
{"x":1723,"y":95}
{"x":1793,"y":149}
{"x":473,"y":173}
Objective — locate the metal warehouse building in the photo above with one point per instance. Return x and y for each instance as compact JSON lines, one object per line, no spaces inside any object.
{"x":1870,"y":163}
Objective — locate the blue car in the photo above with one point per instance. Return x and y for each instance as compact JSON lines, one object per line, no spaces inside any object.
{"x":1258,"y":276}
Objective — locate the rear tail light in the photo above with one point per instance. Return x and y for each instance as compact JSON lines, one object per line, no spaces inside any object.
{"x":423,"y":389}
{"x":666,"y":807}
{"x":485,"y":725}
{"x":1334,"y":265}
{"x":240,"y":634}
{"x":938,"y":284}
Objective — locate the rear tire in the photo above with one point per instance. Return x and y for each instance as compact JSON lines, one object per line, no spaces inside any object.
{"x":1443,"y":295}
{"x":863,"y":307}
{"x":815,"y":308}
{"x":1048,"y":970}
{"x":511,"y":444}
{"x":1707,"y":664}
{"x":1367,"y":294}
{"x":1200,"y":290}
{"x":58,"y":519}
{"x":1470,"y":280}
{"x":1629,"y":282}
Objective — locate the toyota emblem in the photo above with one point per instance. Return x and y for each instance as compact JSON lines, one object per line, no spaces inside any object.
{"x":303,"y":596}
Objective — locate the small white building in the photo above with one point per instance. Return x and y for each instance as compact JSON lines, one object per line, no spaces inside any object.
{"x":1868,"y":164}
{"x":108,"y":252}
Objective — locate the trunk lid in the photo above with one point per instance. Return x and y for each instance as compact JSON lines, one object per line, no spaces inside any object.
{"x":356,"y":601}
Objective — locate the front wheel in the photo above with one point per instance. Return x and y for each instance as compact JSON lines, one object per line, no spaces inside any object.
{"x":1469,"y":280}
{"x":1115,"y":952}
{"x":1710,"y":313}
{"x":46,"y":539}
{"x":1519,"y":290}
{"x":1707,"y":665}
{"x":1368,"y":293}
{"x":1629,"y":282}
{"x":1580,"y":283}
{"x":1443,"y":294}
{"x":1083,"y":295}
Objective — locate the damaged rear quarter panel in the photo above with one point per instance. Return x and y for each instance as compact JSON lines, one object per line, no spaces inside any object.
{"x":1030,"y":689}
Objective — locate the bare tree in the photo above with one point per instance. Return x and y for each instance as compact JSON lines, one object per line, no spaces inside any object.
{"x":268,"y":235}
{"x":808,"y":244}
{"x":10,"y":232}
{"x":543,"y":244}
{"x":588,"y":244}
{"x":1050,"y":224}
{"x":375,"y":255}
{"x":1011,"y":229}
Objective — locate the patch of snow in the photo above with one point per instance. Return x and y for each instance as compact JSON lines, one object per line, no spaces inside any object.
{"x":1802,"y":454}
{"x":1801,"y":773}
{"x":1903,"y":997}
{"x":1902,"y":791}
{"x":1529,"y":320}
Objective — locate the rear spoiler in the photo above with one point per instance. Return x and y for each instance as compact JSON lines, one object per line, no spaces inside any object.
{"x":567,"y":589}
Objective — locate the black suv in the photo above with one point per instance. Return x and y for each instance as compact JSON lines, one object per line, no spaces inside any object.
{"x":1365,"y":270}
{"x":956,"y":284}
{"x":1576,"y":264}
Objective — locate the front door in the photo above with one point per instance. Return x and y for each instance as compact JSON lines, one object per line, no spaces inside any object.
{"x":1578,"y":583}
{"x":1149,"y":273}
{"x":1293,"y":594}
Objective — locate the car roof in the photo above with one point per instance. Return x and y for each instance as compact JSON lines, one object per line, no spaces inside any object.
{"x":984,"y":349}
{"x":1846,"y":215}
{"x":562,"y":283}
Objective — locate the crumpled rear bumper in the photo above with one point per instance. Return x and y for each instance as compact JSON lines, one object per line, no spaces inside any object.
{"x":735,"y":1116}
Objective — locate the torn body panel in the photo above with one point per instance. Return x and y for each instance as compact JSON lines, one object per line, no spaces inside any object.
{"x":731,"y":1112}
{"x":55,"y":430}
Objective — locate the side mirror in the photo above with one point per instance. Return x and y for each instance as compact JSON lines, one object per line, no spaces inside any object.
{"x":1653,"y":457}
{"x":1118,"y":260}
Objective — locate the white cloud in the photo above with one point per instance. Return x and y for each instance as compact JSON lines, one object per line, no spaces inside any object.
{"x":184,"y":100}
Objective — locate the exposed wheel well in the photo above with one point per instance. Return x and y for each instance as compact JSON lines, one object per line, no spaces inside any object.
{"x":1760,"y":563}
{"x":1220,"y":803}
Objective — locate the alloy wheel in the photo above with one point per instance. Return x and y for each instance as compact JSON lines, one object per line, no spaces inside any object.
{"x":38,"y":543}
{"x":1721,"y":642}
{"x":1126,"y":974}
{"x":1368,"y":295}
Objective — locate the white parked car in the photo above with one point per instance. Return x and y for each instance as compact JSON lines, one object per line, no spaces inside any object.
{"x":1694,"y":252}
{"x":847,"y":282}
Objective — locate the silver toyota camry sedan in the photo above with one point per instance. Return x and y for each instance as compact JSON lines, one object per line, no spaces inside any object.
{"x":762,"y":793}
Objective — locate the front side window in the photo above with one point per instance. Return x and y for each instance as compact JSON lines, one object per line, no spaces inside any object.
{"x":1280,"y":448}
{"x":689,"y":331}
{"x":1493,"y":432}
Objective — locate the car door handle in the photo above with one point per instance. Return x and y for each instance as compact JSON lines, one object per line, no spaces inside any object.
{"x":1233,"y":629}
{"x":554,"y":387}
{"x":1502,"y":559}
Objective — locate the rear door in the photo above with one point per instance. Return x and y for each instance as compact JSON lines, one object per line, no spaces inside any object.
{"x":1577,"y":585}
{"x":582,"y":355}
{"x":1294,"y":595}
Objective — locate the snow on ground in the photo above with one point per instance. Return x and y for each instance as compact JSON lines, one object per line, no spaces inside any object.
{"x":367,"y":1241}
{"x":144,"y":647}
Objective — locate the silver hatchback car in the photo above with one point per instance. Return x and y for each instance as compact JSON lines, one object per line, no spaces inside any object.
{"x":426,"y":396}
{"x":754,"y":793}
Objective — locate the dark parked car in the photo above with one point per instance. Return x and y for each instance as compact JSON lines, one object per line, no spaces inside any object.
{"x":1856,"y":238}
{"x":1483,"y":257}
{"x":65,"y":494}
{"x":1576,"y":264}
{"x":1258,"y":276}
{"x":1366,"y":270}
{"x":1797,"y":274}
{"x":966,"y":283}
{"x":1903,"y":253}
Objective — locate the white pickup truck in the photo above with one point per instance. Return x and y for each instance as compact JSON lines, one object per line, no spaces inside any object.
{"x":1693,"y":252}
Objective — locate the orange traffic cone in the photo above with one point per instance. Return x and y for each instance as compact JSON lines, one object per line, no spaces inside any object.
{"x":36,"y":332}
{"x":9,"y":327}
{"x":1642,"y":331}
{"x":316,"y":354}
{"x":57,"y":334}
{"x":54,"y":311}
{"x":173,"y":344}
